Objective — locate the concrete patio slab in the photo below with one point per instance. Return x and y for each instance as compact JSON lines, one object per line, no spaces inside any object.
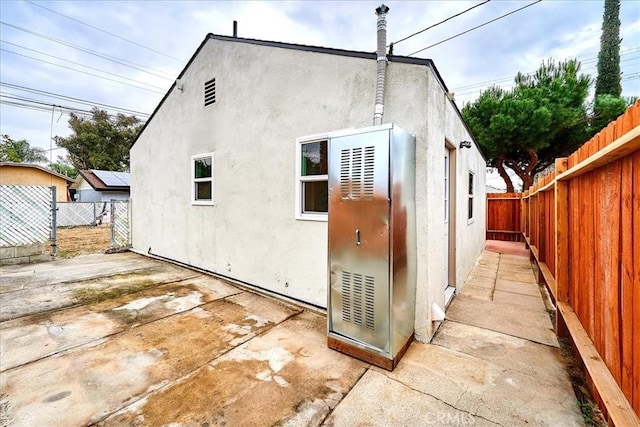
{"x":529,"y":302}
{"x":30,"y":338}
{"x":525,"y":277}
{"x":169,"y":346}
{"x":378,"y":400}
{"x":287,"y":376}
{"x":480,"y":292}
{"x":510,"y":352}
{"x":517,"y":287}
{"x":84,"y":386}
{"x":16,"y":277}
{"x":485,"y":390}
{"x":503,"y":317}
{"x":41,"y":294}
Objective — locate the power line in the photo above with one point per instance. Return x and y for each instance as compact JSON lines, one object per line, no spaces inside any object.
{"x":120,"y":61}
{"x":71,"y":62}
{"x":104,"y":31}
{"x":71,"y":98}
{"x":89,"y":74}
{"x":465,"y":88}
{"x":32,"y":104}
{"x":441,"y":22}
{"x":476,"y":27}
{"x":472,"y":88}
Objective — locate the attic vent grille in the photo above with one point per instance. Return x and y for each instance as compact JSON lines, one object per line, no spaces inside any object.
{"x":357,"y":173}
{"x":210,"y":92}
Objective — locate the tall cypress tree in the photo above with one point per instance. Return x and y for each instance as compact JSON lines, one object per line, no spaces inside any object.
{"x":608,"y":81}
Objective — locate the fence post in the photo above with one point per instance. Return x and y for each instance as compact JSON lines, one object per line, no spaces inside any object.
{"x":54,"y":220}
{"x":113,"y":213}
{"x":561,"y":209}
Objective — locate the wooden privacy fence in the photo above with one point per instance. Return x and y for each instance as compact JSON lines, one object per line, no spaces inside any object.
{"x":504,"y":217}
{"x":582,"y":223}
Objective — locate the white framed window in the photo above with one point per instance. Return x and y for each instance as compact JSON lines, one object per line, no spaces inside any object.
{"x":312,"y":179}
{"x":470,"y":196}
{"x":202,"y":179}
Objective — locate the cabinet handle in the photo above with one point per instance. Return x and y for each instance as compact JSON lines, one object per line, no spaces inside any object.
{"x":357,"y":237}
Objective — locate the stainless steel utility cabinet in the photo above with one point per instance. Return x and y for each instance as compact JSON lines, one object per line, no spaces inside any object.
{"x":372,"y":247}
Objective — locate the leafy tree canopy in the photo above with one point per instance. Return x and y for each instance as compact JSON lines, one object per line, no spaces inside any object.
{"x":100,"y":142}
{"x":20,"y":151}
{"x":543,"y":117}
{"x":64,"y":169}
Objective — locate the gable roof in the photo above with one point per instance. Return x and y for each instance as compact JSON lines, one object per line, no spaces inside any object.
{"x":305,"y":48}
{"x":92,"y":178}
{"x":32,"y":166}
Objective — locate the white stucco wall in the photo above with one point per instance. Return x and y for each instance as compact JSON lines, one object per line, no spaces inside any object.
{"x":266,"y":98}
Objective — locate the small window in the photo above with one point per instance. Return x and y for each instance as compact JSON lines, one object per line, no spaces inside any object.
{"x":210,"y":92}
{"x":202,"y":179}
{"x":470,"y":195}
{"x":312,"y":180}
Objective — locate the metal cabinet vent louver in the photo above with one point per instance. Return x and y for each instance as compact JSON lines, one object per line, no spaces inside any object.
{"x":358,"y":298}
{"x":371,"y":247}
{"x":210,"y":92}
{"x":357,"y":173}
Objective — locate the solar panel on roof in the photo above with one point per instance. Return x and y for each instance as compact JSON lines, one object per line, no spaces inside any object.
{"x":113,"y":179}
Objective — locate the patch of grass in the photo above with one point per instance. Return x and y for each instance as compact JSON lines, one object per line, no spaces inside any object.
{"x":94,"y":295}
{"x":591,"y":414}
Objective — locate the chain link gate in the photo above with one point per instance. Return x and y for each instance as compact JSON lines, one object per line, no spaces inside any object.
{"x":120,"y":224}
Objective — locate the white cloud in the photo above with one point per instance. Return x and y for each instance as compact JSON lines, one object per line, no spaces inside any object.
{"x":559,"y":29}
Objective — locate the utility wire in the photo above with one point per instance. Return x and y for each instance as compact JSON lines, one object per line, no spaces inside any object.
{"x":476,"y":27}
{"x":507,"y":78}
{"x":120,"y":61}
{"x":72,"y":62}
{"x":89,"y":74}
{"x":71,"y":98}
{"x":467,"y":91}
{"x":106,"y":32}
{"x":441,"y":22}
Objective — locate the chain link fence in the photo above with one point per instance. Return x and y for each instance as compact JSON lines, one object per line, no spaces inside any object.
{"x":75,"y":214}
{"x":120,"y":224}
{"x":30,"y":217}
{"x":25,"y":214}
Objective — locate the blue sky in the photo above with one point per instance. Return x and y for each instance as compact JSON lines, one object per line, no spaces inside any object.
{"x":149,"y":42}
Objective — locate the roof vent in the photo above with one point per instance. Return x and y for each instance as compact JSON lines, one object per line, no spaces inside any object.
{"x":210,"y":92}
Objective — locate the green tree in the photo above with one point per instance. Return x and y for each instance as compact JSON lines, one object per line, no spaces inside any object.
{"x":20,"y":151}
{"x":100,"y":142}
{"x":525,"y":128}
{"x":63,"y":168}
{"x":608,"y":81}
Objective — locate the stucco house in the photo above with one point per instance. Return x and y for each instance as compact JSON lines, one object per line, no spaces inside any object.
{"x":28,"y":174}
{"x":93,"y":185}
{"x":230,"y":174}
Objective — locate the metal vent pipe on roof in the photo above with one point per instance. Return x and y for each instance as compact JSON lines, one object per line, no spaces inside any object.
{"x":381,"y":12}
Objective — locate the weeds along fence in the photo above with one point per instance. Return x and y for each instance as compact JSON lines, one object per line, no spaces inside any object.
{"x":582,"y":223}
{"x":504,"y":217}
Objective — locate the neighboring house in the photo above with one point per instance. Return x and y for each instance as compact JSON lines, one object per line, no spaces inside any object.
{"x":101,"y":186}
{"x":28,"y":174}
{"x":229,"y":173}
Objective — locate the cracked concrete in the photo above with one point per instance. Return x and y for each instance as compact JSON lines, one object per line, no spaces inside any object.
{"x":126,"y":340}
{"x":494,"y":361}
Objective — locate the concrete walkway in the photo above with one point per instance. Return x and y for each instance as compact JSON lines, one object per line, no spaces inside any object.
{"x":126,"y":340}
{"x":494,"y":361}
